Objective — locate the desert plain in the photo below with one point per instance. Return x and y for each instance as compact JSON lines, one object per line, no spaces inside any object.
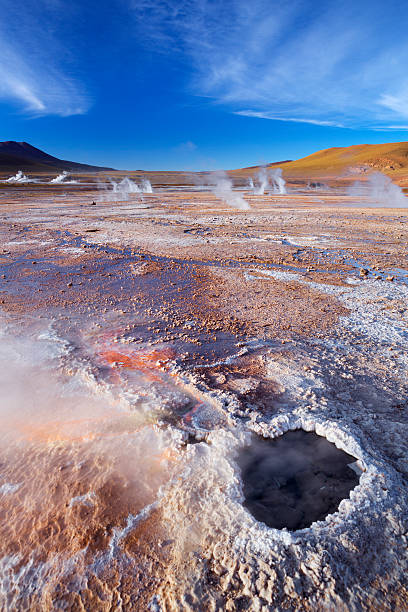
{"x":146,"y":342}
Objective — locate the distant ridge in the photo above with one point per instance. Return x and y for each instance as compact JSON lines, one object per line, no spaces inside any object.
{"x":342,"y":163}
{"x":23,"y":156}
{"x":390,"y":158}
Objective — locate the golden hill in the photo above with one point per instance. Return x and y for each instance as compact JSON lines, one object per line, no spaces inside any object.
{"x":336,"y":162}
{"x":389,"y":157}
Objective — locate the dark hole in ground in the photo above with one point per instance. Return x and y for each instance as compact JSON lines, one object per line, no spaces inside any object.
{"x":295,"y":479}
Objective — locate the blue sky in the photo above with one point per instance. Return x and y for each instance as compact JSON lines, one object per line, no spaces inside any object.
{"x":200,"y":84}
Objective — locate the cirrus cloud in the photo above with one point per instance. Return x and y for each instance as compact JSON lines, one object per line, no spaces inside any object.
{"x":326,"y":63}
{"x":31,"y":57}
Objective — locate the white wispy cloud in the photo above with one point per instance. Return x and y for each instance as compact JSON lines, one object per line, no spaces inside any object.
{"x":261,"y":115}
{"x":397,"y":102}
{"x":187,"y":146}
{"x":327,"y":63}
{"x":31,"y":59}
{"x":391,"y":128}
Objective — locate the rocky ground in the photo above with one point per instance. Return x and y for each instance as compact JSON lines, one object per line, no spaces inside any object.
{"x":144,"y":343}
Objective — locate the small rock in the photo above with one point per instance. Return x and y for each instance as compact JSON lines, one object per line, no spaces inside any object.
{"x":390,"y":278}
{"x":363,"y":272}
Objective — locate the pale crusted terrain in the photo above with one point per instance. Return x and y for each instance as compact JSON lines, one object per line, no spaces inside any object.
{"x":152,"y":337}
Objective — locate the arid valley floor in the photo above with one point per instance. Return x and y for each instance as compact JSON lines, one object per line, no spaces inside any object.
{"x":144,"y":344}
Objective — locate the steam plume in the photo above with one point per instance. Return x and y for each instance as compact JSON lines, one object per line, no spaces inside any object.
{"x":146,"y":186}
{"x":61,"y":178}
{"x":271,"y":179}
{"x":263,"y":182}
{"x":124,"y":187}
{"x":278,"y":182}
{"x":223,"y":190}
{"x":20,"y":178}
{"x":121,"y":190}
{"x":380,"y":191}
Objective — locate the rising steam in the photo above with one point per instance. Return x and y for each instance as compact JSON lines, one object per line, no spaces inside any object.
{"x":278,"y":182}
{"x":121,"y":190}
{"x":223,"y":190}
{"x":77,"y":469}
{"x":20,"y":178}
{"x":146,"y":186}
{"x":380,"y":191}
{"x":262,"y":182}
{"x":62,"y":178}
{"x":270,"y":179}
{"x":124,"y":188}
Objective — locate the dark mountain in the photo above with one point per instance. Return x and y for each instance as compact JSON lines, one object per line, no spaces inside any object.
{"x":23,"y":156}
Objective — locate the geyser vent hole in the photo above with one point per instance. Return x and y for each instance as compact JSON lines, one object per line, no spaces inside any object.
{"x":296,"y":479}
